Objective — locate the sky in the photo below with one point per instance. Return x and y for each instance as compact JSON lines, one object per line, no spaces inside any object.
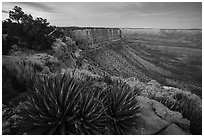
{"x":172,"y":15}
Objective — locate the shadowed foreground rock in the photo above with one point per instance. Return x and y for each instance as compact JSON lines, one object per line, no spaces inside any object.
{"x":157,"y":119}
{"x":172,"y":130}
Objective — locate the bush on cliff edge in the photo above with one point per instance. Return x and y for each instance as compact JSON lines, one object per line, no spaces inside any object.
{"x":26,"y":32}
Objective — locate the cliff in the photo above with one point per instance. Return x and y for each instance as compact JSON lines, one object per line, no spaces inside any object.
{"x":93,"y":35}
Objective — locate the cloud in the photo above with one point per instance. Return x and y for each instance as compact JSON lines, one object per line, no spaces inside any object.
{"x":155,"y":14}
{"x":138,"y":4}
{"x":129,"y":14}
{"x":4,"y":11}
{"x":42,"y":6}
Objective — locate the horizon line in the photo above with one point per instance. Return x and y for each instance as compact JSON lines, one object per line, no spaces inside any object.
{"x":129,"y":27}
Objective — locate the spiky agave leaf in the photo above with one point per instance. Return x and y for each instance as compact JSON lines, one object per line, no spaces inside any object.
{"x":52,"y":107}
{"x":122,"y":108}
{"x":80,"y":75}
{"x":92,"y":118}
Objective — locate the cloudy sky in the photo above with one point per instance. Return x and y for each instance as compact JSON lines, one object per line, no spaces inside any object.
{"x":120,"y":14}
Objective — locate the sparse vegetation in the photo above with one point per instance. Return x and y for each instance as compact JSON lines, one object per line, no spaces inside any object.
{"x":16,"y":79}
{"x":122,"y":108}
{"x":188,"y":105}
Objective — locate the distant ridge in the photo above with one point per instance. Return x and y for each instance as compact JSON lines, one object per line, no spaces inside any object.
{"x":164,"y":28}
{"x":81,"y":28}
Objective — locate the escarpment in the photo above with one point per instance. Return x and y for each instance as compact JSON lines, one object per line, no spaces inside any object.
{"x":166,"y":55}
{"x":93,"y":36}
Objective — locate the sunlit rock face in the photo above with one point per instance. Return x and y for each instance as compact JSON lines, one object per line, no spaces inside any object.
{"x":94,"y":35}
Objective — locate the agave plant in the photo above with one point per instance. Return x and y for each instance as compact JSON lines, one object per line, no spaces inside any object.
{"x":52,"y":105}
{"x":81,"y":75}
{"x":92,"y":118}
{"x":122,"y":108}
{"x":59,"y":105}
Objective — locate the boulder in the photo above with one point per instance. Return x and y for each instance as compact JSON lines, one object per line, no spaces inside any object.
{"x":61,"y":49}
{"x":172,"y":130}
{"x":155,"y":117}
{"x":69,"y":41}
{"x":170,"y":116}
{"x":135,"y":84}
{"x":151,"y":123}
{"x":154,"y":83}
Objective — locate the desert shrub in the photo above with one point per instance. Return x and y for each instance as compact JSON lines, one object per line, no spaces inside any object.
{"x":165,"y":100}
{"x":188,"y":105}
{"x":122,"y":108}
{"x":16,"y":79}
{"x":26,"y":32}
{"x":82,"y":75}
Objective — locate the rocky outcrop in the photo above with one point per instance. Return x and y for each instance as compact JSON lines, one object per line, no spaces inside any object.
{"x":62,"y":49}
{"x":157,"y":119}
{"x":172,"y":130}
{"x":188,"y":104}
{"x":91,"y":36}
{"x":43,"y":62}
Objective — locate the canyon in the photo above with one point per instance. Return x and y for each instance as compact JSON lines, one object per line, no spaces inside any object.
{"x":162,"y":69}
{"x":170,"y":56}
{"x":101,"y":80}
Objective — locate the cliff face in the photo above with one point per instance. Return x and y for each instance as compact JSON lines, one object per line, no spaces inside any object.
{"x":94,"y":35}
{"x":130,"y":31}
